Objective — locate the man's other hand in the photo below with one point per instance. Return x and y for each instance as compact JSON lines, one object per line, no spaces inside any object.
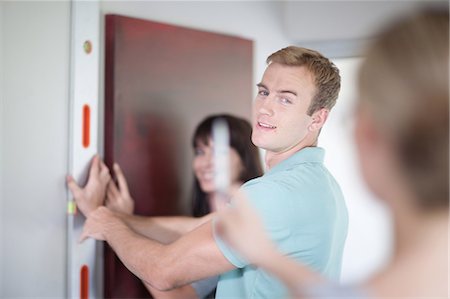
{"x":93,"y":194}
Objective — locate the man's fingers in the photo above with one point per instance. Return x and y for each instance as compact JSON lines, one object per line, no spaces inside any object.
{"x":103,"y":166}
{"x":84,"y":235}
{"x":104,"y":170}
{"x":73,"y":186}
{"x":123,"y":186}
{"x":69,"y":179}
{"x":95,"y":166}
{"x":112,"y":190}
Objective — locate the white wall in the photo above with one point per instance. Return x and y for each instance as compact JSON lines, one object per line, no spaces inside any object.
{"x":34,"y":136}
{"x":369,"y":241}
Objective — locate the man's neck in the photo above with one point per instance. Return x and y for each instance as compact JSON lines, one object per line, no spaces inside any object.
{"x":273,"y":158}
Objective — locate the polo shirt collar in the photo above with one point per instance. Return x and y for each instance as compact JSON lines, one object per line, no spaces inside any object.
{"x":305,"y":155}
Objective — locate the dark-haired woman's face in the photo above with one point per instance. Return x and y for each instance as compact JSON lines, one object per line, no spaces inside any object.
{"x":203,"y":166}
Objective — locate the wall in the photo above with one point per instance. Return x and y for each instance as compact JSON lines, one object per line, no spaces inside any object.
{"x":34,"y":136}
{"x":369,"y":240}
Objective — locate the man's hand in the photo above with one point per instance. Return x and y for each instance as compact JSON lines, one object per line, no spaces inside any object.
{"x":93,"y":194}
{"x":99,"y":223}
{"x":119,"y":199}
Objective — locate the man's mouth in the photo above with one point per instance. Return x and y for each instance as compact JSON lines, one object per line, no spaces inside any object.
{"x":266,"y":125}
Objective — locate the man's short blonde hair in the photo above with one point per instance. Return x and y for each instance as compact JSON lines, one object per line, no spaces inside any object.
{"x":325,"y":73}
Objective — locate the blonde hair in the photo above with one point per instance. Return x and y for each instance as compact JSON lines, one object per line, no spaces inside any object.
{"x":326,"y":74}
{"x":406,"y":83}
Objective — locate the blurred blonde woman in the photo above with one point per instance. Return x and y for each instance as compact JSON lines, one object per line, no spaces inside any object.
{"x":402,"y":137}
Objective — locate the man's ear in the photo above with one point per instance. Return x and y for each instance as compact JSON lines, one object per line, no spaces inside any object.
{"x":318,"y":119}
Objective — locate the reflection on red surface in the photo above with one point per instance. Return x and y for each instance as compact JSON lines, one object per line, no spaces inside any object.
{"x":157,"y":79}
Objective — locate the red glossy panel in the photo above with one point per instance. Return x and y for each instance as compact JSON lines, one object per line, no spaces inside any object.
{"x":160,"y":82}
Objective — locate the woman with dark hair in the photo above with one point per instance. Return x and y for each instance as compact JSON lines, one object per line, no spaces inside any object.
{"x":244,"y":165}
{"x":245,"y":162}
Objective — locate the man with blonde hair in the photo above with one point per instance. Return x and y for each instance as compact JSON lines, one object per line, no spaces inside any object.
{"x":301,"y":204}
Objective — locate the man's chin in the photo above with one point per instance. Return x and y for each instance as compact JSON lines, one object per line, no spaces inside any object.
{"x":259,"y":142}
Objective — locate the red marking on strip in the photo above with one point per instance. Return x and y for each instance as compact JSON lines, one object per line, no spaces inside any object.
{"x":84,"y":282}
{"x":86,"y":126}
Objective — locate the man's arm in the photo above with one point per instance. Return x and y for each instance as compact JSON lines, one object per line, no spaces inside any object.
{"x":91,"y":196}
{"x":164,"y":229}
{"x":184,"y":292}
{"x":192,"y":257}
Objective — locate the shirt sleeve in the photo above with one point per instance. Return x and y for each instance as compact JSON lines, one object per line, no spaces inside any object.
{"x":205,"y":286}
{"x":271,"y":202}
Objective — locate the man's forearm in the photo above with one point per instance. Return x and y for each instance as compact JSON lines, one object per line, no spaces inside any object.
{"x":192,"y":257}
{"x":184,"y":292}
{"x":163,"y":229}
{"x":142,"y":256}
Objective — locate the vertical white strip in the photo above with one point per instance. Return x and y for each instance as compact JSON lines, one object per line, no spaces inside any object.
{"x":84,"y":91}
{"x":221,"y":139}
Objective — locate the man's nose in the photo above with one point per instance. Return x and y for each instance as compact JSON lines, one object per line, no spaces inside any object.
{"x":266,"y":106}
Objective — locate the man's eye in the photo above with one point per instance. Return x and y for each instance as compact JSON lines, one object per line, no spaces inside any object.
{"x":285,"y":101}
{"x":264,"y":93}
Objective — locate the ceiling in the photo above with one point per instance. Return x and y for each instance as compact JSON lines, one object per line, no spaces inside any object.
{"x":341,"y":28}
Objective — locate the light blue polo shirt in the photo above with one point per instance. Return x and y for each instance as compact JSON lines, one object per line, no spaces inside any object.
{"x":304,"y":212}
